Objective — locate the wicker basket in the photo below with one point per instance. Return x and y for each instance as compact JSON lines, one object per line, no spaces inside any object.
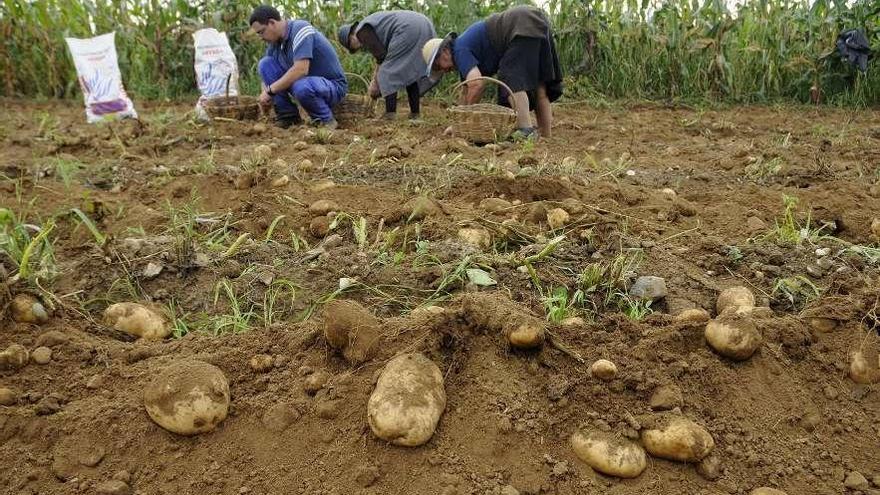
{"x":233,"y":107}
{"x":483,"y":123}
{"x":354,"y":107}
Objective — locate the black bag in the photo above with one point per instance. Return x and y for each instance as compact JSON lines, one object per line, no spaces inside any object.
{"x":852,"y":46}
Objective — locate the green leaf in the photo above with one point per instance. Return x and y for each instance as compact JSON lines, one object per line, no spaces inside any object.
{"x":480,"y":277}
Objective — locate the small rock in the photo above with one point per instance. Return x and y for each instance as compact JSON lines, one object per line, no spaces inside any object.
{"x":649,"y":288}
{"x":328,"y":409}
{"x":92,"y":457}
{"x":665,"y":398}
{"x":856,"y":481}
{"x":323,"y":207}
{"x":279,"y":417}
{"x":367,"y":476}
{"x":420,"y":208}
{"x":114,"y":487}
{"x":557,"y":218}
{"x":604,"y":369}
{"x":42,"y":355}
{"x":825,"y":263}
{"x":755,"y":224}
{"x":50,"y":404}
{"x":123,"y":476}
{"x":815,"y":272}
{"x":8,"y":397}
{"x":262,"y":363}
{"x":315,"y":382}
{"x":95,"y":382}
{"x":152,"y":270}
{"x":710,"y":468}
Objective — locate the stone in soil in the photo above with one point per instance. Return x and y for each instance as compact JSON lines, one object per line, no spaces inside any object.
{"x":113,"y":487}
{"x":649,"y":288}
{"x":665,"y":398}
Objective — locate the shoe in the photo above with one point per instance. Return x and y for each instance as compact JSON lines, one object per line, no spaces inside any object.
{"x":389,"y":116}
{"x":415,"y":116}
{"x":285,"y":120}
{"x":330,"y":124}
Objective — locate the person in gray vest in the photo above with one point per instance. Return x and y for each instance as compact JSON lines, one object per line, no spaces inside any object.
{"x":394,"y":38}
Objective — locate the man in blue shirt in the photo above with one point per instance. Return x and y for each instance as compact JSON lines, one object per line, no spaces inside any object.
{"x":518,"y":45}
{"x":299,"y":62}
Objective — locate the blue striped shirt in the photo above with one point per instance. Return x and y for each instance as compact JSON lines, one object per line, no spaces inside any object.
{"x":303,"y":41}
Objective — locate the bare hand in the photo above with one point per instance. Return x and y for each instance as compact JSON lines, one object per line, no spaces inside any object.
{"x":265,"y":99}
{"x":373,"y":90}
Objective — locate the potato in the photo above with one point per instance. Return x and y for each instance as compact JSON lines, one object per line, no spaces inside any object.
{"x":27,"y":309}
{"x":261,"y":154}
{"x":408,"y":401}
{"x":323,"y":207}
{"x":280,"y":181}
{"x":693,"y":315}
{"x":8,"y":397}
{"x":352,"y":329}
{"x":609,"y":454}
{"x":736,"y":299}
{"x":137,"y":320}
{"x":604,"y":369}
{"x":188,"y":397}
{"x":557,"y":218}
{"x":14,"y":357}
{"x":496,"y":312}
{"x":678,"y":439}
{"x":766,"y":491}
{"x":476,"y":238}
{"x":733,"y":336}
{"x":864,"y":366}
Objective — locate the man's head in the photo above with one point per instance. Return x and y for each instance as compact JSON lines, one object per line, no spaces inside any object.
{"x":347,"y":37}
{"x":266,"y":22}
{"x":437,"y":54}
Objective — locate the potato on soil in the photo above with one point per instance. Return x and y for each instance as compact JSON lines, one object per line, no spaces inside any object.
{"x":476,"y":238}
{"x":864,"y":366}
{"x":323,"y":207}
{"x":609,"y":454}
{"x":14,"y":357}
{"x":766,"y":491}
{"x":736,"y":299}
{"x":603,"y":369}
{"x":8,"y":397}
{"x":677,"y":439}
{"x":557,"y":218}
{"x":693,"y":315}
{"x":27,"y":309}
{"x":734,"y":336}
{"x":137,"y":320}
{"x":408,"y":400}
{"x":352,"y":329}
{"x":188,"y":397}
{"x":496,"y":312}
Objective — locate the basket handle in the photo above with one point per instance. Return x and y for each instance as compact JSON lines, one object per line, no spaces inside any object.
{"x":362,"y":79}
{"x":485,"y":78}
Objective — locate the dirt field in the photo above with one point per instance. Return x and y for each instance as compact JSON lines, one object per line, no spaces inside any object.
{"x":694,"y":197}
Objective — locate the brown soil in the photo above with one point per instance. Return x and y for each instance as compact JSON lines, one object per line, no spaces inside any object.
{"x":788,"y":417}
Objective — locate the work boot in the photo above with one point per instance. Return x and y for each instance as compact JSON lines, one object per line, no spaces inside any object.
{"x":329,"y":124}
{"x":286,"y":119}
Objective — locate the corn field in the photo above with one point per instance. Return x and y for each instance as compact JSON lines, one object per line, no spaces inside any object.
{"x":676,"y":50}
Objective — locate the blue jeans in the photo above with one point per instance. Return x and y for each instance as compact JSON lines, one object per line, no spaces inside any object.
{"x":317,"y":95}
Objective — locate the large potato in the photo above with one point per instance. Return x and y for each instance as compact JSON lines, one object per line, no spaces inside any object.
{"x":350,"y":328}
{"x":189,"y":397}
{"x":864,"y":366}
{"x":14,"y":357}
{"x":137,"y":320}
{"x":27,"y":309}
{"x":408,"y":400}
{"x":733,"y":336}
{"x":678,"y":439}
{"x":609,"y":454}
{"x":735,"y":299}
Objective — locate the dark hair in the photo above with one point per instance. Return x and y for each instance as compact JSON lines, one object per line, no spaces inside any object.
{"x":263,"y":13}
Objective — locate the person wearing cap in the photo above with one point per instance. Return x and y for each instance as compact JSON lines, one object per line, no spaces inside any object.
{"x":517,"y":45}
{"x":394,"y":39}
{"x":299,"y":62}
